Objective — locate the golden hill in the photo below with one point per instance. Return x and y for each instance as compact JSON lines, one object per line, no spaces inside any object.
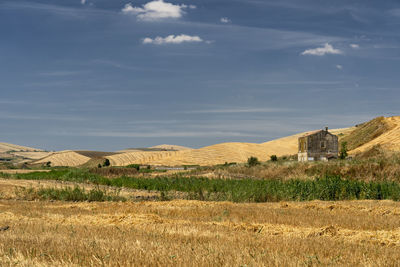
{"x":19,"y":154}
{"x":5,"y":147}
{"x":215,"y":154}
{"x":65,"y":158}
{"x":381,"y":131}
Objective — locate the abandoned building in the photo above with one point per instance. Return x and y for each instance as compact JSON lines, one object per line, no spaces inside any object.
{"x":318,"y":145}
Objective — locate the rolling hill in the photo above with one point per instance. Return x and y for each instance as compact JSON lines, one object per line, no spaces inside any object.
{"x":19,"y":154}
{"x":65,"y":158}
{"x":381,"y":131}
{"x":215,"y":154}
{"x":5,"y":147}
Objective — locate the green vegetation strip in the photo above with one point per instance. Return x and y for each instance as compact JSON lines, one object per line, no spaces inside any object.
{"x":243,"y":190}
{"x":67,"y":194}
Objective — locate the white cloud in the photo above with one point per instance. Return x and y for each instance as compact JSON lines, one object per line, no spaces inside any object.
{"x":339,"y":67}
{"x":83,"y":2}
{"x":355,"y":46}
{"x":321,"y":51}
{"x":156,"y":10}
{"x":225,"y":20}
{"x":172,"y":39}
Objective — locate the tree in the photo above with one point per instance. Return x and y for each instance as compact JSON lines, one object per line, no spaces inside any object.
{"x":106,"y":163}
{"x":274,"y":158}
{"x":252,"y":161}
{"x":343,"y":151}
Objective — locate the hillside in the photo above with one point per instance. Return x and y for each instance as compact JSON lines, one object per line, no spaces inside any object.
{"x":65,"y":158}
{"x":215,"y":154}
{"x":379,"y":131}
{"x":18,"y":154}
{"x":5,"y":147}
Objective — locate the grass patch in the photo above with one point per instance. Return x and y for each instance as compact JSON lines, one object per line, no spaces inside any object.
{"x":75,"y":194}
{"x":330,"y":187}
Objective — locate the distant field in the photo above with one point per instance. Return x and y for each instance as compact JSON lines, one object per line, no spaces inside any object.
{"x":95,"y":154}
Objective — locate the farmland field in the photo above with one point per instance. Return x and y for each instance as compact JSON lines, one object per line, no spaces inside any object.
{"x":184,"y":232}
{"x":147,"y":220}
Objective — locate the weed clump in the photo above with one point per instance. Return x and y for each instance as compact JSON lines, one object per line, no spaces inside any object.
{"x":75,"y":194}
{"x":253,"y":161}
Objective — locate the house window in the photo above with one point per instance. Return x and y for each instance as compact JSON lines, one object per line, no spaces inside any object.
{"x":323,"y":144}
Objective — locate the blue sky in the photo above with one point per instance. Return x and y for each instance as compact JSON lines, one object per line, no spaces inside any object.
{"x":112,"y":74}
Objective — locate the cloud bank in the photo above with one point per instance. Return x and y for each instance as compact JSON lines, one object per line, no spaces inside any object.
{"x":156,"y":10}
{"x":322,"y":51}
{"x":172,"y":39}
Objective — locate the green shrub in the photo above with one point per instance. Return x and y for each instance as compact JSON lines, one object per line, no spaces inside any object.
{"x":274,"y":158}
{"x":343,"y":151}
{"x":68,"y":194}
{"x":252,"y":161}
{"x":106,"y":163}
{"x":134,"y":166}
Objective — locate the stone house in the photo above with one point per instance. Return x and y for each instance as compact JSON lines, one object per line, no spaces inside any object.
{"x":318,"y":145}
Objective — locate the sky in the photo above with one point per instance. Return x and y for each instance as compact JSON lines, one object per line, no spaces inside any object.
{"x":114,"y":74}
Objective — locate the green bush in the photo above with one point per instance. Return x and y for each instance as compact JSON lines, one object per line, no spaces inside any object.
{"x":252,"y":161}
{"x":106,"y":163}
{"x":134,"y":166}
{"x":68,"y":194}
{"x":274,"y":158}
{"x":343,"y":151}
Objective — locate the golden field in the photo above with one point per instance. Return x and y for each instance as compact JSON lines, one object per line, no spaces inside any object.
{"x":193,"y":233}
{"x":65,"y":158}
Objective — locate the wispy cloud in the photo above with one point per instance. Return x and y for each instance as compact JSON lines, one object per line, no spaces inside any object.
{"x":225,"y":20}
{"x":237,"y":110}
{"x":165,"y":134}
{"x":156,"y":10}
{"x":83,"y":2}
{"x":61,"y":73}
{"x":395,"y":12}
{"x":12,"y":102}
{"x":172,"y":39}
{"x":42,"y":117}
{"x":339,"y":67}
{"x":55,"y":9}
{"x":355,"y":46}
{"x":322,"y":51}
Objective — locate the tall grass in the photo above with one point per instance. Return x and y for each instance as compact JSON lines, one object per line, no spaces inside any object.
{"x":67,"y":194}
{"x":329,"y":187}
{"x":381,"y":168}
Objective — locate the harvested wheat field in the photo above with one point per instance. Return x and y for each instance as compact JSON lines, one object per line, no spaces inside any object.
{"x":65,"y":158}
{"x":193,"y":233}
{"x":381,"y":131}
{"x":32,"y":155}
{"x":5,"y":147}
